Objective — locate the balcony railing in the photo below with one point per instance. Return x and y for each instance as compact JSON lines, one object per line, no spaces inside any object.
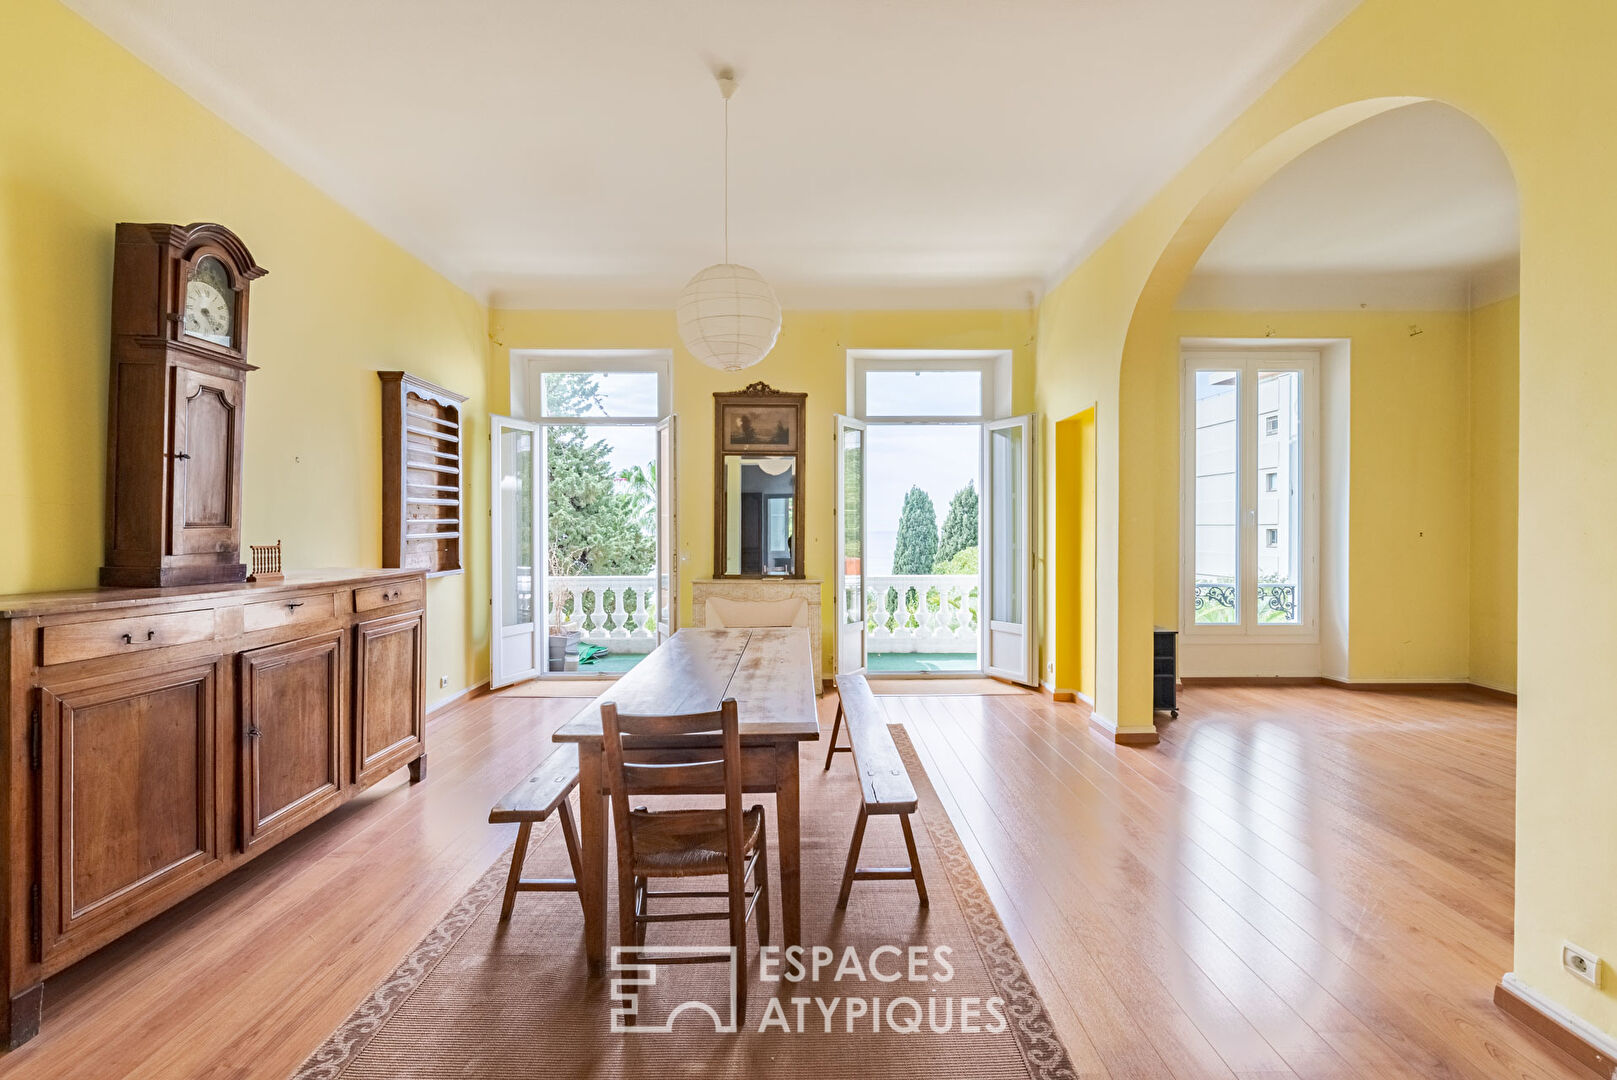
{"x":905,"y":613}
{"x":921,"y":613}
{"x":1216,"y":602}
{"x":619,"y":613}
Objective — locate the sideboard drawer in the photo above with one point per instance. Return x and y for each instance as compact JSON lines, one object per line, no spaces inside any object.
{"x":292,"y":611}
{"x":64,"y":643}
{"x":411,"y":591}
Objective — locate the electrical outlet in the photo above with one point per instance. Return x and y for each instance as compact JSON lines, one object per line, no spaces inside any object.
{"x":1582,"y":963}
{"x":443,"y":681}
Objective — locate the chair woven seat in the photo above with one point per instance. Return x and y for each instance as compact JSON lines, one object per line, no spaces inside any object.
{"x":688,"y":843}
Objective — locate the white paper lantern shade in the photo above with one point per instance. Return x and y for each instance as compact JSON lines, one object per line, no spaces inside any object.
{"x":728,"y":317}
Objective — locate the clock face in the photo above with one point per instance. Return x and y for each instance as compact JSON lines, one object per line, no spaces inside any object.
{"x":210,"y":303}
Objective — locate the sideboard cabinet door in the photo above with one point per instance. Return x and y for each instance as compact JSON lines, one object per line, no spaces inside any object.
{"x":389,"y":718}
{"x":291,"y":735}
{"x":126,"y":800}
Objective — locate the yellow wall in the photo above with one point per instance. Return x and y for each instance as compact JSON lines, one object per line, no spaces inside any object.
{"x":1070,"y":656}
{"x":90,"y":137}
{"x":1539,"y":78}
{"x":1410,"y":485}
{"x":811,"y":356}
{"x":1495,"y":447}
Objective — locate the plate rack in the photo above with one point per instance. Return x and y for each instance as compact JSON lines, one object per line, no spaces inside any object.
{"x":422,"y":503}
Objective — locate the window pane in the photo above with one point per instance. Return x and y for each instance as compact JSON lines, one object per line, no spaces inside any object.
{"x":923,"y":393}
{"x":1005,"y":459}
{"x":1280,"y":571}
{"x":1218,"y":519}
{"x":516,"y":525}
{"x":600,"y":393}
{"x":853,"y":482}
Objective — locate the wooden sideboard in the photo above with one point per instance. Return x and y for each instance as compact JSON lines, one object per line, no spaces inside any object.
{"x":158,"y":738}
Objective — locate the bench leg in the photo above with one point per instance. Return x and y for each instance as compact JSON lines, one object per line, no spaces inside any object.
{"x":518,"y":854}
{"x":915,"y":859}
{"x":836,"y":728}
{"x":569,"y":833}
{"x":853,"y":858}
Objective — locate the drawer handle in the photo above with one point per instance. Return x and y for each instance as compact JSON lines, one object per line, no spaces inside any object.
{"x":294,"y":604}
{"x":129,"y":639}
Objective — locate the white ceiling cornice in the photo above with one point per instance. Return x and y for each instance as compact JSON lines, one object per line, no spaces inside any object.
{"x":881,"y":155}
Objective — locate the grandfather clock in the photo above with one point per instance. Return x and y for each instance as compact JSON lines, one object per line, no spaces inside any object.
{"x":176,"y":405}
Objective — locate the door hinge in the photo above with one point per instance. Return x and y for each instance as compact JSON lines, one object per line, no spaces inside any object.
{"x":36,"y":917}
{"x":36,"y":741}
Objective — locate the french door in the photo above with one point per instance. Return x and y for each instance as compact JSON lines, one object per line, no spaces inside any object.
{"x":517,"y":456}
{"x":1010,"y":648}
{"x":850,"y":546}
{"x":667,"y":534}
{"x":1250,"y":564}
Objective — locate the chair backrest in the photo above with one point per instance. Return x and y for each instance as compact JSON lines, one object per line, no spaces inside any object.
{"x":684,"y":754}
{"x":751,"y":614}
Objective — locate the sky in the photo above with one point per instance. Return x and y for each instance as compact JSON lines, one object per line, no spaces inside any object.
{"x":939,"y":459}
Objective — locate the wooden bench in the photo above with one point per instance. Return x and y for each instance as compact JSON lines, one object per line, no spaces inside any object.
{"x":543,"y":792}
{"x":884,"y":783}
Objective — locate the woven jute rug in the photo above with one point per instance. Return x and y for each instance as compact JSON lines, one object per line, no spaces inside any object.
{"x":901,"y":991}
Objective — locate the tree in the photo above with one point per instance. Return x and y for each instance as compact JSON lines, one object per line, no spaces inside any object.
{"x":917,"y":545}
{"x":598,"y":520}
{"x":960,"y":525}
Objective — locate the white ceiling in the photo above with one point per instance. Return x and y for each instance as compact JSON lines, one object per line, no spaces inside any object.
{"x":564,"y":153}
{"x":1412,"y":208}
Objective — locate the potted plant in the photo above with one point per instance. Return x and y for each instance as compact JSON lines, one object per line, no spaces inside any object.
{"x":563,"y":634}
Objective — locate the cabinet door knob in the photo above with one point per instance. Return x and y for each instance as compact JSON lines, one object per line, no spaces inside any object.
{"x":253,"y":733}
{"x":182,"y":457}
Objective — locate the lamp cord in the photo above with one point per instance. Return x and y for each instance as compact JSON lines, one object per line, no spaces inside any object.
{"x":726,"y":179}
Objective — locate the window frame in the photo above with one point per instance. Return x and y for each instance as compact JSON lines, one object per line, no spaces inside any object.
{"x":994,"y":366}
{"x":528,"y":391}
{"x":1248,"y":361}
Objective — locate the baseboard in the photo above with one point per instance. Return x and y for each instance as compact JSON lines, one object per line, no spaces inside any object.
{"x":475,"y":691}
{"x":1590,"y":1047}
{"x":1249,"y":680}
{"x":1129,"y":736}
{"x":1412,"y":686}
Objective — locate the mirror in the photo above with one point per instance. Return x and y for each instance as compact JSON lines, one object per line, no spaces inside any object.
{"x":760,"y":503}
{"x":758,"y":508}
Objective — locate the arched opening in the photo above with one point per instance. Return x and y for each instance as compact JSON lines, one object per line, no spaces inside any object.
{"x":1340,"y":406}
{"x":1146,"y":486}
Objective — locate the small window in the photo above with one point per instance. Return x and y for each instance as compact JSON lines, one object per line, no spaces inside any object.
{"x":924,"y":393}
{"x":616,"y":394}
{"x":1270,"y":480}
{"x":1271,"y":424}
{"x":1271,"y":537}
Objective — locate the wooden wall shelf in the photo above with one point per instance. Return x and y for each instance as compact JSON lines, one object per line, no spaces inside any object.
{"x":421,"y":467}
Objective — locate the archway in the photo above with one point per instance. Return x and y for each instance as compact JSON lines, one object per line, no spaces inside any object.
{"x":1128,"y":555}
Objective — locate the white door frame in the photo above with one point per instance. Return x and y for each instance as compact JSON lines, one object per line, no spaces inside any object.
{"x":537,"y":645}
{"x":1008,"y":649}
{"x":667,"y":531}
{"x":850,"y":636}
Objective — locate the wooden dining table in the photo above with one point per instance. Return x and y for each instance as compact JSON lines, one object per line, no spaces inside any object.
{"x":770,"y":674}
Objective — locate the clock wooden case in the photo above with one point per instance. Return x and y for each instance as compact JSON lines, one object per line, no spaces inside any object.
{"x":177,"y":405}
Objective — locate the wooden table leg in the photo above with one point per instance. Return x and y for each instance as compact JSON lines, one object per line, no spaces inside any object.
{"x":592,"y":854}
{"x":788,"y":830}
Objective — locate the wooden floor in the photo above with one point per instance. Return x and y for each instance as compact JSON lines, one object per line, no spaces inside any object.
{"x":1297,"y":881}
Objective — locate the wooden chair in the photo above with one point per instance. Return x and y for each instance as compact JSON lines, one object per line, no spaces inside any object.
{"x":650,"y":755}
{"x":543,"y":792}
